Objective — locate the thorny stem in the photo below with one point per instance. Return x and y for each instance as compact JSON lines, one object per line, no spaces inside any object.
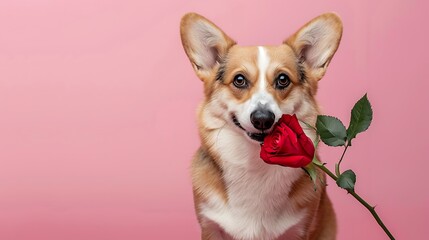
{"x":345,"y":149}
{"x":337,"y":166}
{"x":370,"y":208}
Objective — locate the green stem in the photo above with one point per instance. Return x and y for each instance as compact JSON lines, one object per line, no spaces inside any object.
{"x":337,"y":166}
{"x":342,"y":156}
{"x":370,"y":208}
{"x":327,"y":172}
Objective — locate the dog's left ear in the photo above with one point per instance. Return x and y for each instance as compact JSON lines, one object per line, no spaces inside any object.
{"x":316,"y":43}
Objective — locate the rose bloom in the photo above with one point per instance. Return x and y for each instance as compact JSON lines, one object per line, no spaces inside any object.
{"x":287,"y":145}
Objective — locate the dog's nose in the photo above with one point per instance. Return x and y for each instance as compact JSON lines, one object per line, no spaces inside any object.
{"x":262,"y":119}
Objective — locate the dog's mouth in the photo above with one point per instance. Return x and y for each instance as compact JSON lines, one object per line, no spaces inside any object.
{"x":259,"y":136}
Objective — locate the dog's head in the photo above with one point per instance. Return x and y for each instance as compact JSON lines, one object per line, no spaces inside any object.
{"x":249,"y":88}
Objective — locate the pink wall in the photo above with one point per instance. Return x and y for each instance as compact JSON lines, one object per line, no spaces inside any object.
{"x":97,"y":113}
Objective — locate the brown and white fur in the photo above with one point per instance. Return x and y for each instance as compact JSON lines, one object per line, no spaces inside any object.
{"x":236,"y":194}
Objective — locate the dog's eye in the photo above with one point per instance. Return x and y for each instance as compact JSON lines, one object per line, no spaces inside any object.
{"x":240,"y":81}
{"x":282,"y":81}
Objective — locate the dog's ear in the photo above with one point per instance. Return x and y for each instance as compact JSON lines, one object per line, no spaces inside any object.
{"x":316,"y":42}
{"x":204,"y":43}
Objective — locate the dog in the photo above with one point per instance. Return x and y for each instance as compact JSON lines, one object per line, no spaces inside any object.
{"x":247,"y":89}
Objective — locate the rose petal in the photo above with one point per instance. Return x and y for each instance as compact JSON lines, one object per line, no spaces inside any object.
{"x":307,"y":145}
{"x":290,"y":143}
{"x":264,"y":155}
{"x":273,"y":142}
{"x":290,"y":161}
{"x":285,"y":119}
{"x":295,"y":126}
{"x":287,"y":145}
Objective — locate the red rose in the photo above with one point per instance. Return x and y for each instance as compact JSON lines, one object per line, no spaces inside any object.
{"x":287,"y":144}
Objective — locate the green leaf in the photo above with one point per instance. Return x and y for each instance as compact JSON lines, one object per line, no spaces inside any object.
{"x":311,"y":170}
{"x":361,"y":118}
{"x":347,"y":180}
{"x":331,"y":130}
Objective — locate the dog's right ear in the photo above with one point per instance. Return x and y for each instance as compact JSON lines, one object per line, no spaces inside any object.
{"x":204,"y":43}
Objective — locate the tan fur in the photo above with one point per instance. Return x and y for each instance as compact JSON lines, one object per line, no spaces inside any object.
{"x":207,"y":172}
{"x":241,"y":60}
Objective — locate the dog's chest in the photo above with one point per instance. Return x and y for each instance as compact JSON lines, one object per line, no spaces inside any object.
{"x":258,"y":203}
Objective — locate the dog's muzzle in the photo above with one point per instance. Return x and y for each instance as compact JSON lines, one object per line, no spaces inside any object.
{"x":259,"y":137}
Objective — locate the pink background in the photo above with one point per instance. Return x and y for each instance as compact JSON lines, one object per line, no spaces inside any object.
{"x":98,"y":126}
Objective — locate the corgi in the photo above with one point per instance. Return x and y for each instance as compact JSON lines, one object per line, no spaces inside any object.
{"x":247,"y":89}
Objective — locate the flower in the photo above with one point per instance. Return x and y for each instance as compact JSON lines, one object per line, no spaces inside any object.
{"x":287,"y":145}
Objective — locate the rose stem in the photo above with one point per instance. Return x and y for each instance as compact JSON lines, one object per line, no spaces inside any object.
{"x":370,"y":208}
{"x":337,"y":166}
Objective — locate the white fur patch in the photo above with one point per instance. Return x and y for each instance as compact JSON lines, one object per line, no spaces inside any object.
{"x":263,"y":62}
{"x":261,"y":98}
{"x":257,"y":192}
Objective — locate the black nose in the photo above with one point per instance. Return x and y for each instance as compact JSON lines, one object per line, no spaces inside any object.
{"x":262,"y":119}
